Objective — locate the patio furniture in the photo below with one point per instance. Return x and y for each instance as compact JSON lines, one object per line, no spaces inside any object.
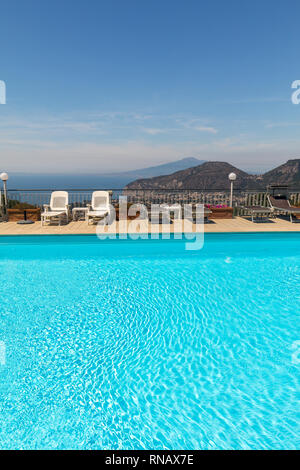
{"x":220,"y":212}
{"x":27,"y":214}
{"x":280,"y":202}
{"x":206,"y":214}
{"x":58,"y":209}
{"x":79,"y":212}
{"x":257,"y":212}
{"x":25,"y":221}
{"x":165,"y":212}
{"x":99,"y":207}
{"x":282,"y":205}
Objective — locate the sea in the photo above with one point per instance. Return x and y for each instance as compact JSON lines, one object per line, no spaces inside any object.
{"x":26,"y":181}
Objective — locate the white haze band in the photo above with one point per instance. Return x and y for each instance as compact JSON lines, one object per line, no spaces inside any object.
{"x":186,"y":221}
{"x":2,"y":92}
{"x":2,"y":353}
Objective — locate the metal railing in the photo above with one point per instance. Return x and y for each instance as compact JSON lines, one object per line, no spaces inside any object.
{"x":81,"y":197}
{"x":37,"y":198}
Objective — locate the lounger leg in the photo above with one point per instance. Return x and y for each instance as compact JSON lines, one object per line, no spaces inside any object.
{"x":291,"y":217}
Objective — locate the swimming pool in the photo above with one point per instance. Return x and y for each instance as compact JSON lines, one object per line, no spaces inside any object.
{"x":144,"y":345}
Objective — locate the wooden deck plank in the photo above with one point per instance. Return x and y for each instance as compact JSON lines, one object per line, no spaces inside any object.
{"x":238,"y":224}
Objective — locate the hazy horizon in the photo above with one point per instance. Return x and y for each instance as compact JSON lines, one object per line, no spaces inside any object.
{"x":259,"y":169}
{"x":69,"y":180}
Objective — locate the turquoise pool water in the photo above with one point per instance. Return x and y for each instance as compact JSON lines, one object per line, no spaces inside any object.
{"x":144,"y":345}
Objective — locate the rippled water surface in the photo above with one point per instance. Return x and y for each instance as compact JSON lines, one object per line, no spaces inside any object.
{"x":142,"y":344}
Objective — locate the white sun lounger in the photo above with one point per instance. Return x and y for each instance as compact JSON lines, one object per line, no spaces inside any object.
{"x":57,"y":209}
{"x":99,"y":207}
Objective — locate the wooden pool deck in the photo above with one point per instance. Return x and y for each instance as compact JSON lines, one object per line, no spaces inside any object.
{"x":237,"y":224}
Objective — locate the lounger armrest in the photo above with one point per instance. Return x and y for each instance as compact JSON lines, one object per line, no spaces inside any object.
{"x":46,"y":207}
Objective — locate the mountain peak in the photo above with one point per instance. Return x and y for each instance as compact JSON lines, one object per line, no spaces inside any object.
{"x":214,"y":175}
{"x":164,"y":168}
{"x":191,"y":160}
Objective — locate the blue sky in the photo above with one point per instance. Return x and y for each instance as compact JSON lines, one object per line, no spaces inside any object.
{"x":115,"y":85}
